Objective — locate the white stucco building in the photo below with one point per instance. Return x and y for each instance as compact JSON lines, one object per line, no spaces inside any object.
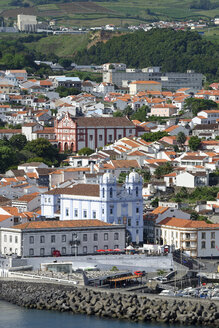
{"x":192,"y":179}
{"x":196,"y":238}
{"x":106,"y":201}
{"x":206,"y":117}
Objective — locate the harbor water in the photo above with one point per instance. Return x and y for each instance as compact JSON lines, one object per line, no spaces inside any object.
{"x":13,"y":316}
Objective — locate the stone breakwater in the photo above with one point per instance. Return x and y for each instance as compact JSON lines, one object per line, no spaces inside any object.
{"x":108,"y":304}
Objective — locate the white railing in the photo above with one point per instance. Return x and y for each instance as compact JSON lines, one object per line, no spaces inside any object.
{"x":32,"y":276}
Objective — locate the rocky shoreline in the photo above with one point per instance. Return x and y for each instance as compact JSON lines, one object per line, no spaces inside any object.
{"x":108,"y":304}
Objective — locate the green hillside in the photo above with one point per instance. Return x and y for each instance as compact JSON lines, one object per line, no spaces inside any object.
{"x":174,"y":51}
{"x":119,"y":12}
{"x":60,"y":45}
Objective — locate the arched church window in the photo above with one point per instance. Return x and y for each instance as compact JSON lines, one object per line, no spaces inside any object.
{"x":136,"y":191}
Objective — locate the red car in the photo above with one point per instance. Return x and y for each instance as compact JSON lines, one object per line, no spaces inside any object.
{"x":139,"y":273}
{"x":56,"y":253}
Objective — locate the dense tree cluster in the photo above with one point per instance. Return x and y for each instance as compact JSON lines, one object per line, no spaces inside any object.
{"x":194,"y":143}
{"x":203,"y":193}
{"x":64,"y":91}
{"x":14,"y":54}
{"x":175,"y":51}
{"x":85,"y":151}
{"x":197,"y":105}
{"x":163,"y":169}
{"x":18,"y":150}
{"x":154,"y":136}
{"x":204,"y":5}
{"x":141,"y":113}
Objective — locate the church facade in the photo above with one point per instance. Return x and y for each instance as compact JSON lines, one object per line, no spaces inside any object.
{"x":93,"y":132}
{"x":107,"y":201}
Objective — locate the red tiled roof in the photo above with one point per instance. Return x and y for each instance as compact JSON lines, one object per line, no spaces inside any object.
{"x":183,"y":223}
{"x":61,"y":224}
{"x":90,"y":190}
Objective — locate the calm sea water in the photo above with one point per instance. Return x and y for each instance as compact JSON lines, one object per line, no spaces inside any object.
{"x":12,"y":316}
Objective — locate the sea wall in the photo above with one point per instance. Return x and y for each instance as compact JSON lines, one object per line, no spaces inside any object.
{"x":120,"y":305}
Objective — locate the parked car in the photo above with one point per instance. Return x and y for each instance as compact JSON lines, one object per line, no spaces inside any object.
{"x":56,"y":253}
{"x":167,"y":292}
{"x":139,"y":273}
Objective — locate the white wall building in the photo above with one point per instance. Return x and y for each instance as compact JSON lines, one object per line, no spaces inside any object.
{"x":206,"y":117}
{"x":68,"y":237}
{"x":105,"y":201}
{"x":196,"y":238}
{"x":192,"y":179}
{"x":27,"y":23}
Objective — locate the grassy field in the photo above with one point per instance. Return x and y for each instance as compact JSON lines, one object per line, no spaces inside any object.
{"x":60,"y":45}
{"x":101,"y":13}
{"x":212,"y":34}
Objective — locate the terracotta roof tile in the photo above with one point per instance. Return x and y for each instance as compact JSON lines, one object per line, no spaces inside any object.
{"x":61,"y":224}
{"x":160,"y":210}
{"x":4,"y":217}
{"x":183,"y":223}
{"x":27,"y":198}
{"x":90,"y":190}
{"x":125,"y":163}
{"x":104,"y":121}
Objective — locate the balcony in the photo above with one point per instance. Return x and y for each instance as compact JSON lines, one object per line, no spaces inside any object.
{"x":190,"y":248}
{"x":189,"y":239}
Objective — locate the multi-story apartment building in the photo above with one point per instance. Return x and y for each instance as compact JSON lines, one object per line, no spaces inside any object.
{"x":93,"y":132}
{"x":197,"y":238}
{"x":106,"y":201}
{"x":168,"y":80}
{"x":74,"y":237}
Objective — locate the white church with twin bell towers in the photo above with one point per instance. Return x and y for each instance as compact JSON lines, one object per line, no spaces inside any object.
{"x":107,"y":201}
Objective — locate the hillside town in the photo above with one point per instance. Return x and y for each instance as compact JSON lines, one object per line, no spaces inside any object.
{"x":136,"y":169}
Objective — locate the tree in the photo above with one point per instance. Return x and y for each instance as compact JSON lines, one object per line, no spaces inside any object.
{"x":196,"y":105}
{"x":128,"y":111}
{"x":42,"y":148}
{"x":18,"y":141}
{"x":118,"y":113}
{"x":176,"y":148}
{"x":140,"y":114}
{"x":181,"y":138}
{"x":64,"y":92}
{"x":7,"y":158}
{"x":163,"y":169}
{"x":66,"y":63}
{"x":122,"y":177}
{"x":174,"y":51}
{"x":144,"y":173}
{"x":154,"y":136}
{"x":155,"y":202}
{"x":85,"y":151}
{"x":194,"y":143}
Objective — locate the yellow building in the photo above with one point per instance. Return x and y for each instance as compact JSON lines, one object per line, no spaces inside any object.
{"x":138,"y":86}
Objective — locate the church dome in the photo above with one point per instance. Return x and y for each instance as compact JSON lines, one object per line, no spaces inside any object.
{"x":134,"y":177}
{"x":108,"y":177}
